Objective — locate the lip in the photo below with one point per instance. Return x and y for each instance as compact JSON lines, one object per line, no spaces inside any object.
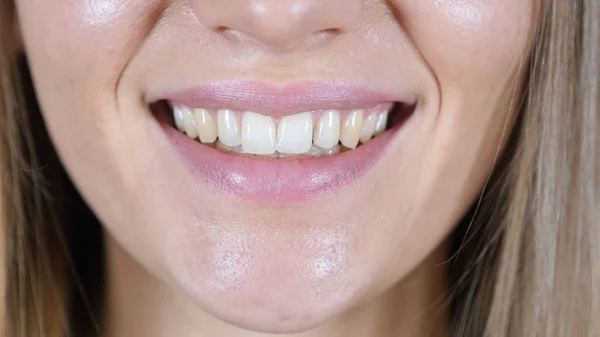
{"x":283,"y":99}
{"x":277,"y":182}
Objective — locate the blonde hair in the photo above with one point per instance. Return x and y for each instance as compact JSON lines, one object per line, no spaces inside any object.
{"x":529,"y":263}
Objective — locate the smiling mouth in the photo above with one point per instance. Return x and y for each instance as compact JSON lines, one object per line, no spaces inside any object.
{"x":317,"y":133}
{"x":279,"y":146}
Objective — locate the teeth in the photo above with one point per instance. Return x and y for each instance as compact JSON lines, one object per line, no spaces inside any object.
{"x":189,"y":123}
{"x":207,"y":127}
{"x":229,"y":128}
{"x":258,"y":134}
{"x":350,"y":133}
{"x":295,"y":133}
{"x":327,"y":131}
{"x":368,"y":128}
{"x":381,"y":124}
{"x":178,"y":117}
{"x":315,"y":151}
{"x":234,"y":149}
{"x":321,"y":152}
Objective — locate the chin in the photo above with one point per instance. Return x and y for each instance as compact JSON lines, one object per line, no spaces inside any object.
{"x":286,"y":314}
{"x":285,"y":283}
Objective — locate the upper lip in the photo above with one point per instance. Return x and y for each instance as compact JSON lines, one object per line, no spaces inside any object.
{"x":264,"y":97}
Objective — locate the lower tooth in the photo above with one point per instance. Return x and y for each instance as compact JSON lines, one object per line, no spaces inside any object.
{"x":316,"y":151}
{"x":239,"y":150}
{"x":345,"y":149}
{"x":288,"y":155}
{"x":273,"y":155}
{"x":235,"y":149}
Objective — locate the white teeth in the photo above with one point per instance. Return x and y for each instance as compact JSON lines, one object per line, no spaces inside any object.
{"x":315,"y":151}
{"x":207,"y":127}
{"x":327,"y":131}
{"x":258,"y":134}
{"x":368,"y":128}
{"x":381,"y":124}
{"x":350,"y":133}
{"x":234,"y":149}
{"x":189,"y":123}
{"x":178,"y":117}
{"x":229,"y":128}
{"x":295,"y":133}
{"x":321,"y":152}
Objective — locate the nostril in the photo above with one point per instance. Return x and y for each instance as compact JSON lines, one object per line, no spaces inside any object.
{"x":331,"y":31}
{"x":228,"y":33}
{"x":222,"y":29}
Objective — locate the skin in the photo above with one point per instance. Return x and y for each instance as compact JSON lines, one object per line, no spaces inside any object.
{"x":366,"y":261}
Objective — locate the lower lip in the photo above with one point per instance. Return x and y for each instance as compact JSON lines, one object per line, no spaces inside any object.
{"x":276,"y":181}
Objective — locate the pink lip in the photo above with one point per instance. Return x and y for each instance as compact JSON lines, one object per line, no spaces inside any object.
{"x":277,"y":181}
{"x":266,"y":98}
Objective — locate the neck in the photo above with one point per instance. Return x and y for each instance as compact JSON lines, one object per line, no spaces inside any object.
{"x":140,"y":305}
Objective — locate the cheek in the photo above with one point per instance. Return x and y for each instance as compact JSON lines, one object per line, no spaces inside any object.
{"x":467,"y":41}
{"x":81,"y":47}
{"x":474,"y":49}
{"x":77,"y":51}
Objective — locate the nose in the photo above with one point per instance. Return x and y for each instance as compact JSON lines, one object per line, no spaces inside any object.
{"x":279,"y":24}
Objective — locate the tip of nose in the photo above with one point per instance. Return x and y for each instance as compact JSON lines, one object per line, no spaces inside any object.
{"x":282,"y":24}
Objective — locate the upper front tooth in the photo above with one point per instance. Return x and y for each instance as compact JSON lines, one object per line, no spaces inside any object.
{"x":368,"y":128}
{"x":351,"y":128}
{"x":327,"y":132}
{"x":381,"y":123}
{"x":207,"y":127}
{"x":229,"y":128}
{"x":294,"y":133}
{"x":258,"y":134}
{"x":189,"y":122}
{"x":178,"y":117}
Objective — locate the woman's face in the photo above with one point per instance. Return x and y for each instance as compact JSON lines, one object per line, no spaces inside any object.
{"x":278,"y":244}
